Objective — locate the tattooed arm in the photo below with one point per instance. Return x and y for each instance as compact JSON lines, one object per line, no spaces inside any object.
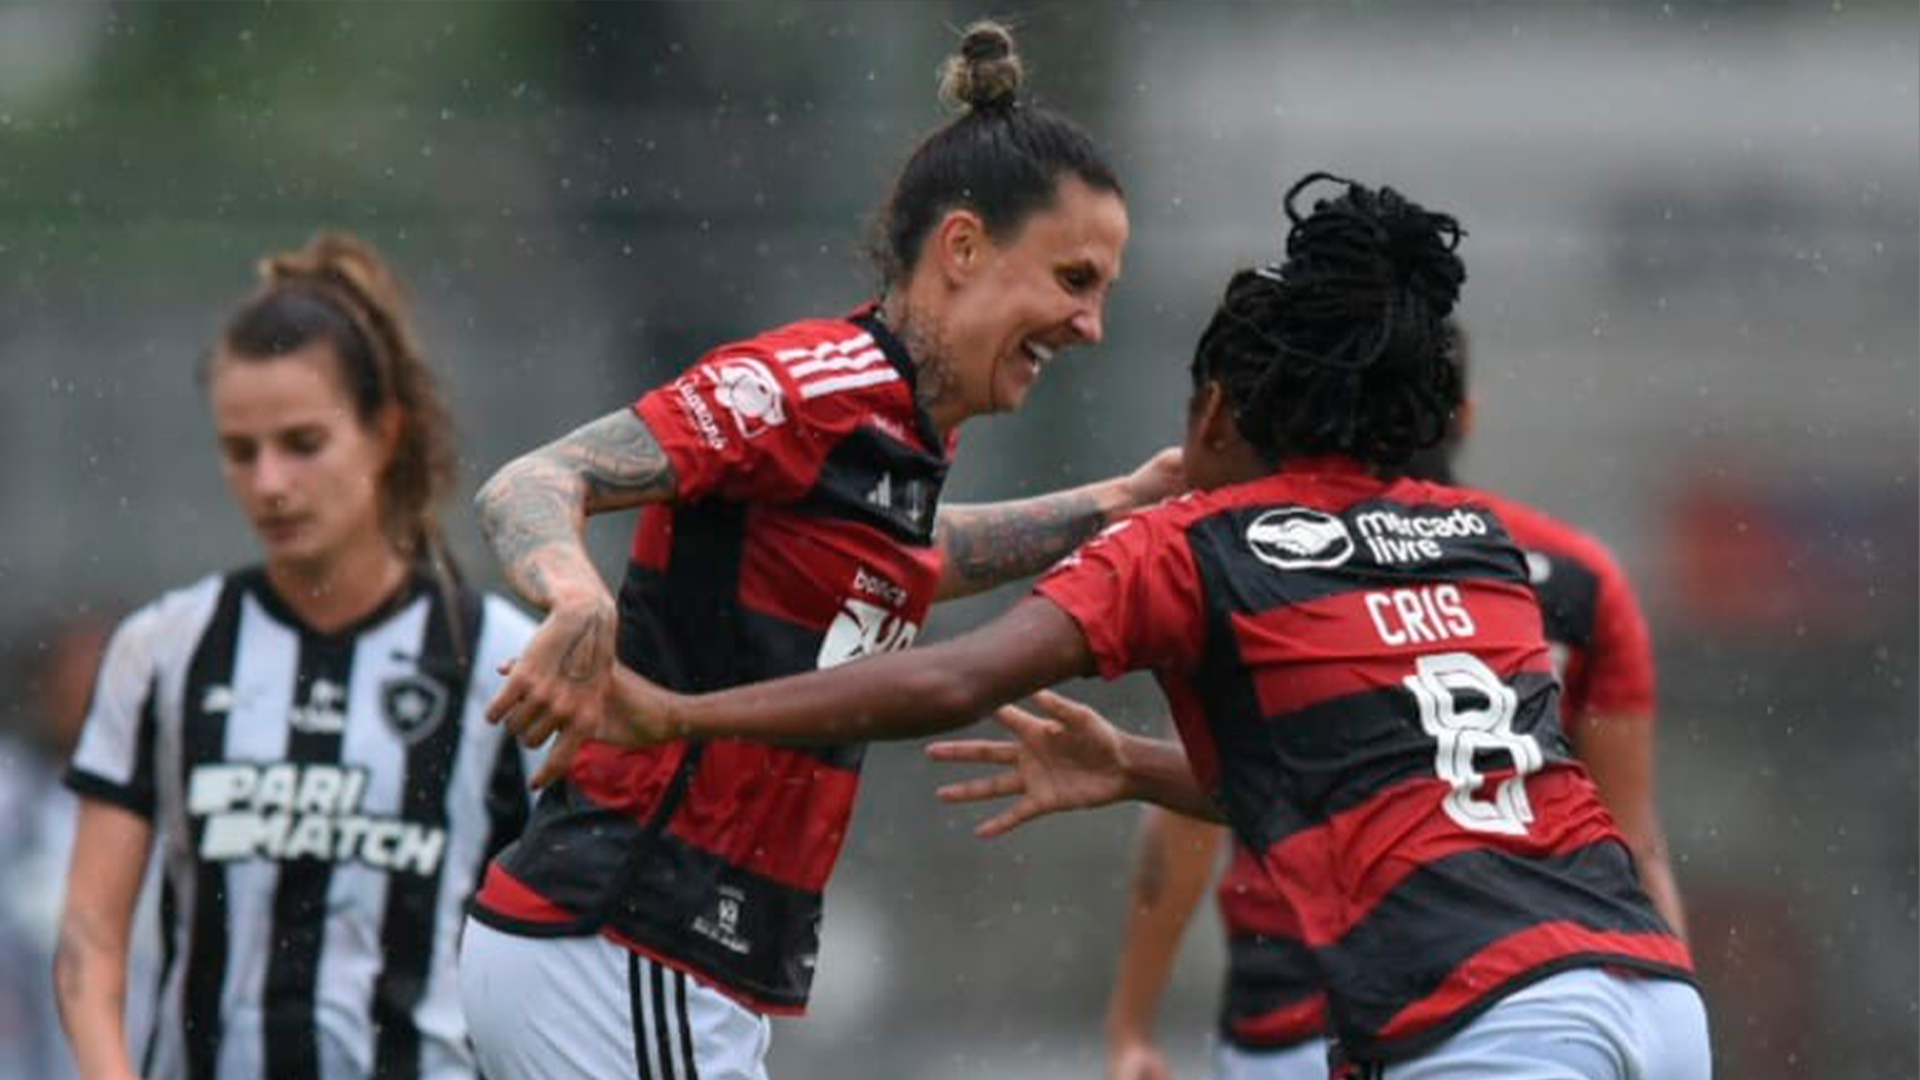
{"x":90,"y":960}
{"x":989,"y":544}
{"x":1174,"y":858}
{"x":533,"y":511}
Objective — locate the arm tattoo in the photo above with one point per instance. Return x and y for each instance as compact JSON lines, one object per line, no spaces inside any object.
{"x":537,"y":503}
{"x":997,"y":542}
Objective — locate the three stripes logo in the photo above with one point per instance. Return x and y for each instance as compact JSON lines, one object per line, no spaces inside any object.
{"x":837,"y":365}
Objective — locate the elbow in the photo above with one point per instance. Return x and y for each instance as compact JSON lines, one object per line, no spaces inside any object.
{"x":945,"y":698}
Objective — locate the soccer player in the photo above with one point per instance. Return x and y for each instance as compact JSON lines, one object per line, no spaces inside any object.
{"x":664,"y":901}
{"x":1272,"y":1014}
{"x":1357,"y":670}
{"x":302,"y":740}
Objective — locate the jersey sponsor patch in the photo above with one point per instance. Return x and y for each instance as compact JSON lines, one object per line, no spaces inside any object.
{"x":746,"y":389}
{"x":1297,"y":538}
{"x":286,"y":811}
{"x":1393,"y":537}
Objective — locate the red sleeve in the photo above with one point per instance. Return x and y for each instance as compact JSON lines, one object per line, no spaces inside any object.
{"x":733,"y":425}
{"x":1619,"y":676}
{"x":1135,"y":592}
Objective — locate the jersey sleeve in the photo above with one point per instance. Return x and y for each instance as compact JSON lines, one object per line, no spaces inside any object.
{"x":736,"y":425}
{"x":1620,"y":671}
{"x":114,"y":760}
{"x":1135,"y":592}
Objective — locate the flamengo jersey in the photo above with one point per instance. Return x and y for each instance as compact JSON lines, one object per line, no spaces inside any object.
{"x":322,"y":805}
{"x":1600,"y":648}
{"x":801,"y":536}
{"x":1357,"y":669}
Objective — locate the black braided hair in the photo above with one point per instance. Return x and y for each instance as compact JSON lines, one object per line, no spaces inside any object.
{"x":1344,"y":347}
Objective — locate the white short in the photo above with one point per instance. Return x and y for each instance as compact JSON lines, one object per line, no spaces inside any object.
{"x":1585,"y":1024}
{"x":583,"y":1008}
{"x":1305,"y":1061}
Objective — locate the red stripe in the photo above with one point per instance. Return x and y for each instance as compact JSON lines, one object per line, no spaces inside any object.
{"x":1285,"y":1025}
{"x":1334,"y":874}
{"x":631,"y":781}
{"x":777,"y":812}
{"x":802,"y":569}
{"x":504,"y":894}
{"x":1249,"y":903}
{"x":1303,"y":654}
{"x":1489,"y":970}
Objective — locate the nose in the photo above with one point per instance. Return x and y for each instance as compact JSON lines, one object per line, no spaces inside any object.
{"x":270,"y":476}
{"x":1087,"y":325}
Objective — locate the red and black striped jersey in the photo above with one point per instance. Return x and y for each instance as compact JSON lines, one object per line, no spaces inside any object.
{"x":800,"y":536}
{"x":1601,"y":650}
{"x":1358,"y":671}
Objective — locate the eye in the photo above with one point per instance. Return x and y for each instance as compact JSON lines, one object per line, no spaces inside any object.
{"x":238,"y":451}
{"x":1078,"y":279}
{"x":305,"y":442}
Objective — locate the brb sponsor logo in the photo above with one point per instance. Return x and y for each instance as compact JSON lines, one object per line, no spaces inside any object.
{"x":284,"y":811}
{"x":745,"y":388}
{"x":1393,"y":537}
{"x":863,"y":628}
{"x":1296,"y":538}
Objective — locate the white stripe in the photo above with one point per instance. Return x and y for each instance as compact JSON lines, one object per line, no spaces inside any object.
{"x":825,"y":348}
{"x":847,"y":382}
{"x":842,"y":363}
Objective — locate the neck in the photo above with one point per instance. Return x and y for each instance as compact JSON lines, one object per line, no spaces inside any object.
{"x":935,"y":385}
{"x":338,"y":590}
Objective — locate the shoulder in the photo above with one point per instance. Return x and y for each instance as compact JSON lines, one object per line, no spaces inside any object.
{"x":1534,"y":529}
{"x":172,"y":621}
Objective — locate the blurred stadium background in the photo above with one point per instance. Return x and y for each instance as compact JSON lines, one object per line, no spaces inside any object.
{"x":1693,"y":294}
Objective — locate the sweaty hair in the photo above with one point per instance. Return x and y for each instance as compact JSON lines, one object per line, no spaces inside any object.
{"x":339,"y":291}
{"x":1345,"y":346}
{"x":1000,"y":157}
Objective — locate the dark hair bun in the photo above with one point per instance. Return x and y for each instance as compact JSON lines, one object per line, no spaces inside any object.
{"x":986,"y":73}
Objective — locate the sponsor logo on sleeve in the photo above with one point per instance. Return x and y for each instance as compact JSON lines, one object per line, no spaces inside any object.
{"x":744,"y":387}
{"x":1296,"y":538}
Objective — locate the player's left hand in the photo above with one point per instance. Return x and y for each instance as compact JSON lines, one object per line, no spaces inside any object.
{"x":1068,"y":760}
{"x":1161,"y":476}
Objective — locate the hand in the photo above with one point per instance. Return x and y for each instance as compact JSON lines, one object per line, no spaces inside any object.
{"x":559,"y":685}
{"x":1137,"y":1059}
{"x":1161,"y":476}
{"x":1071,"y":761}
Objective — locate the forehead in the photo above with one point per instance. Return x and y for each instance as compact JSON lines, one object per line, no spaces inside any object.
{"x":301,"y":388}
{"x":1084,"y":224}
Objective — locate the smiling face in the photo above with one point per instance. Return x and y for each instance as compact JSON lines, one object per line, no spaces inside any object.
{"x":1012,"y":304}
{"x":299,"y":461}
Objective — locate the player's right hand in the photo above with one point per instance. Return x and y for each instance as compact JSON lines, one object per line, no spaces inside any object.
{"x":1137,"y":1059}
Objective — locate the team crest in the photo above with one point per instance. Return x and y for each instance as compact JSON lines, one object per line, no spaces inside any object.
{"x":750,"y":392}
{"x":414,"y":705}
{"x":1296,"y":538}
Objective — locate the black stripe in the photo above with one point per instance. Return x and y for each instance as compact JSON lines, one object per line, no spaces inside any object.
{"x":169,"y":952}
{"x":1569,"y":600}
{"x":298,"y":931}
{"x":1446,"y":912}
{"x":203,"y":741}
{"x":689,"y":1063}
{"x":1266,"y":973}
{"x":407,"y":932}
{"x":637,"y":1009}
{"x":508,"y":806}
{"x":873,"y":479}
{"x":662,"y":1035}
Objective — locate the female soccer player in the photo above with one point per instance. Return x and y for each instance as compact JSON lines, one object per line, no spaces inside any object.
{"x":1356,"y":666}
{"x":304,"y":740}
{"x":1272,"y":1019}
{"x":664,"y":901}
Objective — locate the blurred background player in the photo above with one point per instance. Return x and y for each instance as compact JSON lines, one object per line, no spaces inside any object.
{"x":1357,"y":671}
{"x":665,"y":900}
{"x":302,"y":740}
{"x":1272,"y":1019}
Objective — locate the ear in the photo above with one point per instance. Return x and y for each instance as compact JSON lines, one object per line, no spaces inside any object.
{"x":958,"y":245}
{"x":1213,"y":422}
{"x":387,"y":425}
{"x":1463,"y":419}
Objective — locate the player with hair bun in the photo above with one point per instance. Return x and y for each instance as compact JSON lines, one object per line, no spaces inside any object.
{"x":665,"y":900}
{"x":1356,"y":668}
{"x":303,"y":741}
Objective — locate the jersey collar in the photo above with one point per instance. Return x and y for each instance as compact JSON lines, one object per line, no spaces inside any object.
{"x":1326,"y":465}
{"x":867,"y":317}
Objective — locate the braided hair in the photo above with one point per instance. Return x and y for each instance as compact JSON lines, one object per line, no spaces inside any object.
{"x":1344,"y":347}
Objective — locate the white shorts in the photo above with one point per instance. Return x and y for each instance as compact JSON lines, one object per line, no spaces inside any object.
{"x":1585,"y":1024}
{"x":584,"y":1008}
{"x":1305,"y":1061}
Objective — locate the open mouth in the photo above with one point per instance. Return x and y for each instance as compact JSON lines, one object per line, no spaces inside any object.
{"x":1037,"y":353}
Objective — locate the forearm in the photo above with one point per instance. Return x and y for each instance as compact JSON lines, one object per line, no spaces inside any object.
{"x":1157,"y":772}
{"x":1173,"y":863}
{"x":90,"y":988}
{"x":532,"y":512}
{"x":988,"y":544}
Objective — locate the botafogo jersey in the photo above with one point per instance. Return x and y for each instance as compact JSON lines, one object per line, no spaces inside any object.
{"x":323,"y":804}
{"x":1358,"y":671}
{"x":800,"y":536}
{"x":1601,"y":650}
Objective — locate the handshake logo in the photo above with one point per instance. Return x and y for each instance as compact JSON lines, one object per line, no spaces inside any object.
{"x":1296,"y":538}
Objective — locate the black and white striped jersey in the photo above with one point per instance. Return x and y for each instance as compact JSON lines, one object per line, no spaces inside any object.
{"x":323,"y":804}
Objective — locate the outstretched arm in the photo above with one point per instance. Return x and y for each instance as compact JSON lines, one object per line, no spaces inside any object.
{"x":988,"y":544}
{"x":1173,"y":863}
{"x":533,"y":511}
